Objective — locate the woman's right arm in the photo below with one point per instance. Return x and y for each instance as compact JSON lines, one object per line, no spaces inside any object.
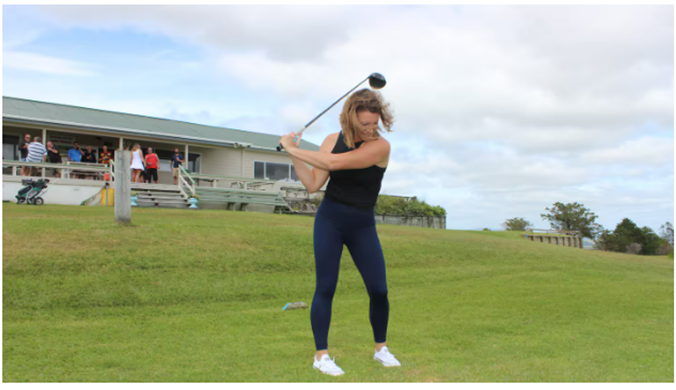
{"x":315,"y":178}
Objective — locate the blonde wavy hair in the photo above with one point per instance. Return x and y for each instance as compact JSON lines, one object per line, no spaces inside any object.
{"x":364,"y":100}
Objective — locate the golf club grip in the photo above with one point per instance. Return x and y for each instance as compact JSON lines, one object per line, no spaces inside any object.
{"x":280,"y":147}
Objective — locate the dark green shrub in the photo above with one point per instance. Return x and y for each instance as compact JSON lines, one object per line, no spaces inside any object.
{"x":411,"y":207}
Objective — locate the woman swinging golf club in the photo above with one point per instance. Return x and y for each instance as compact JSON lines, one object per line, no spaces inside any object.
{"x":355,"y":159}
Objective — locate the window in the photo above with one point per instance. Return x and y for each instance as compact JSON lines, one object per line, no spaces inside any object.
{"x":275,"y":171}
{"x":259,"y":170}
{"x":194,"y":162}
{"x":294,"y":177}
{"x":10,"y":147}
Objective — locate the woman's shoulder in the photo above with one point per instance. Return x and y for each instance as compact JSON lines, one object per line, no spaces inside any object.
{"x":381,"y":142}
{"x":332,"y":137}
{"x":329,"y":141}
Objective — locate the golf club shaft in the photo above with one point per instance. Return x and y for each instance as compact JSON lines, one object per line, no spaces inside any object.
{"x":280,"y":147}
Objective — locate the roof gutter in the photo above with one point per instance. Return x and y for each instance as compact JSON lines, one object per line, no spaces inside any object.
{"x":122,"y":130}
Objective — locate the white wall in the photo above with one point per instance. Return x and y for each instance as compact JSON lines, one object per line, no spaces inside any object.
{"x":67,"y":194}
{"x":220,"y":161}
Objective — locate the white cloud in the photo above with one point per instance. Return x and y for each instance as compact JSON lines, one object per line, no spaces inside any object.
{"x":577,"y":67}
{"x":641,"y":152}
{"x":282,"y":32}
{"x":454,"y":84}
{"x":44,"y":64}
{"x":498,"y":107}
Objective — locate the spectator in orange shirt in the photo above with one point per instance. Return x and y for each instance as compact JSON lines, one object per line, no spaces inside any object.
{"x":151,"y":166}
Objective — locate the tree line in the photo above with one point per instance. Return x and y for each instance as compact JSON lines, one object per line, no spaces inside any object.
{"x":397,"y":205}
{"x":394,"y":205}
{"x":627,"y":237}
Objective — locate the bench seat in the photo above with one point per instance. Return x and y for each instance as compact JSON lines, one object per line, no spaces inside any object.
{"x":243,"y":197}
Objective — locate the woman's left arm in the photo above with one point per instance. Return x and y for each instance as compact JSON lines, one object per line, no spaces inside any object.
{"x":369,"y":154}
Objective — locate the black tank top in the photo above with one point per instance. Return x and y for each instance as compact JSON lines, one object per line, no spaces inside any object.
{"x":354,"y":187}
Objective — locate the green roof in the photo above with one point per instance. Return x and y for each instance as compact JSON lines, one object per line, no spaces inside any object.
{"x":62,"y":115}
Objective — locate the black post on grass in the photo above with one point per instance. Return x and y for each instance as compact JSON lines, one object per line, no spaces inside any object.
{"x":122,"y":187}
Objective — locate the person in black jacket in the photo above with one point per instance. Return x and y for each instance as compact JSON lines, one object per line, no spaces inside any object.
{"x":54,"y":157}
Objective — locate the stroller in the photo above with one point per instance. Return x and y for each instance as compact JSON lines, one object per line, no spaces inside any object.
{"x":32,"y":192}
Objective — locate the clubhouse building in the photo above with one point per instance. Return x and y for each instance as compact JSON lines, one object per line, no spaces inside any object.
{"x":217,"y":157}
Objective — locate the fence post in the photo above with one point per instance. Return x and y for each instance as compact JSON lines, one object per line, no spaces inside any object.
{"x":122,"y":187}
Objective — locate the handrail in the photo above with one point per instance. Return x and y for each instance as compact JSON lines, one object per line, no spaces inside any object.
{"x":200,"y":176}
{"x":80,"y":163}
{"x":181,"y":179}
{"x":14,"y":163}
{"x":547,"y":231}
{"x":235,"y":191}
{"x":183,"y":192}
{"x":298,"y":189}
{"x":245,"y":181}
{"x":81,"y":167}
{"x":184,"y":171}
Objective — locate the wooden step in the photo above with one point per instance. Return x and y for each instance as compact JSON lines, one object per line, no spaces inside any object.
{"x":226,"y":191}
{"x":153,"y":191}
{"x":170,"y":201}
{"x":162,"y":205}
{"x":158,"y":187}
{"x":142,"y":196}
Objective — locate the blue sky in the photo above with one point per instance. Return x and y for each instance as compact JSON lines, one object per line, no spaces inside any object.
{"x":501,"y":111}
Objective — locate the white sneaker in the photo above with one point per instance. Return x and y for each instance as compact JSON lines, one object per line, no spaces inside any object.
{"x":386,"y":358}
{"x":327,"y":366}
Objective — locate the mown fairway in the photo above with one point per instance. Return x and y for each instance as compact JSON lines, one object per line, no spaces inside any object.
{"x":188,"y":296}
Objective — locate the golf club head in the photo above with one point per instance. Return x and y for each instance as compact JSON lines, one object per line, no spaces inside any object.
{"x":377,"y":81}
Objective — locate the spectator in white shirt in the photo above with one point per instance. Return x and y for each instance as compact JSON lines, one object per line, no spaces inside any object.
{"x":37,"y":152}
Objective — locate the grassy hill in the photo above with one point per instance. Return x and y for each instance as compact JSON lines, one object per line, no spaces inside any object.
{"x":186,"y":296}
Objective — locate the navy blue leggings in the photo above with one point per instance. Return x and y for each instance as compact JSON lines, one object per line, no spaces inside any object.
{"x":337,"y":224}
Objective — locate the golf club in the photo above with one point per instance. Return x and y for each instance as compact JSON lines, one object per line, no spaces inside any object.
{"x":376,"y":81}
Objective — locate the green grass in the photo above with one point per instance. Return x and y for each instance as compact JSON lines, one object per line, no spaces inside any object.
{"x":187,"y":296}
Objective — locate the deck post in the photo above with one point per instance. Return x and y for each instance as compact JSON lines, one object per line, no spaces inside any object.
{"x":242,"y":164}
{"x":187,"y":160}
{"x":44,"y":142}
{"x":122,"y":187}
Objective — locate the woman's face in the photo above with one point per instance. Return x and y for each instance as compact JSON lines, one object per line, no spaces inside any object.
{"x":368,"y":122}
